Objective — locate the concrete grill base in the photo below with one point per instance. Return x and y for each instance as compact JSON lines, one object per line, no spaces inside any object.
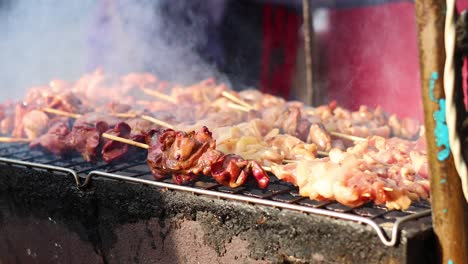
{"x":45,"y":219}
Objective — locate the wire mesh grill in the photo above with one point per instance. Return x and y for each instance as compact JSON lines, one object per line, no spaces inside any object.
{"x":279,"y":194}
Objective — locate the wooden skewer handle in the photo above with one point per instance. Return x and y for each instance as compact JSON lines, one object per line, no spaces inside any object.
{"x":348,"y":137}
{"x":125,"y":115}
{"x":322,"y":153}
{"x":237,"y":107}
{"x":236,"y":100}
{"x":126,"y":141}
{"x":159,"y":95}
{"x":60,"y":112}
{"x":157,"y":121}
{"x":14,"y":140}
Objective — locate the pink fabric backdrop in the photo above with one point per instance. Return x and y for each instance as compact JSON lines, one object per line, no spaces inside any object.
{"x":372,"y":58}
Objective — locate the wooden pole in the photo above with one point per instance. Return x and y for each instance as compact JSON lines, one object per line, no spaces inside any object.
{"x":308,"y":31}
{"x":449,"y":208}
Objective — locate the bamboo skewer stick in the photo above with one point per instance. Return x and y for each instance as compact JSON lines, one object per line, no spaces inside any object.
{"x":60,"y":112}
{"x":159,"y":95}
{"x":157,"y":121}
{"x":76,"y":116}
{"x":126,"y":141}
{"x":142,"y":145}
{"x":236,"y":100}
{"x":146,"y":146}
{"x":165,"y":124}
{"x":125,"y":115}
{"x":237,"y":107}
{"x":345,"y":136}
{"x":14,"y":140}
{"x":335,"y":134}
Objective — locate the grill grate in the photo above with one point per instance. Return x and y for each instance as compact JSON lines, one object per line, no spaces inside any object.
{"x":278,"y":194}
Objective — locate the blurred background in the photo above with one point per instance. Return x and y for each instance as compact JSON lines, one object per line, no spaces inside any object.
{"x":364,"y":51}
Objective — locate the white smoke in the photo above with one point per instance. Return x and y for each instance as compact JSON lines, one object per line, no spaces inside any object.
{"x":46,"y":39}
{"x":41,"y":40}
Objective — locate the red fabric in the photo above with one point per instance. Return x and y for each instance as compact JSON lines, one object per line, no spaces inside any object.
{"x":372,"y":58}
{"x":280,"y":42}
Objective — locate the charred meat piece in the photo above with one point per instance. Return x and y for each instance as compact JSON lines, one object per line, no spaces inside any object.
{"x":194,"y":153}
{"x":85,"y":138}
{"x":113,"y":150}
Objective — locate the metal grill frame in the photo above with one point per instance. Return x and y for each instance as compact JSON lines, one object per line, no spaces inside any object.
{"x":88,"y":174}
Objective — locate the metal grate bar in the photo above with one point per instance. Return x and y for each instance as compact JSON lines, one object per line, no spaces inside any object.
{"x":279,"y":194}
{"x":382,"y":235}
{"x":42,"y":166}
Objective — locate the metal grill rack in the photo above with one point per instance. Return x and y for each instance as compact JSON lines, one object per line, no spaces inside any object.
{"x":278,"y":194}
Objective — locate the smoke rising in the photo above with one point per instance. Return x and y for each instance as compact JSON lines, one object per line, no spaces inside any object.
{"x":41,"y":40}
{"x":47,"y":39}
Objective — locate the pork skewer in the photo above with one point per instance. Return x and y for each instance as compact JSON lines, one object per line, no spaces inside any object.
{"x":159,"y":95}
{"x":14,"y":140}
{"x":236,"y":100}
{"x":157,"y":121}
{"x":347,"y":137}
{"x":187,"y":155}
{"x":60,"y":112}
{"x":332,"y":133}
{"x":387,"y":171}
{"x":126,"y":141}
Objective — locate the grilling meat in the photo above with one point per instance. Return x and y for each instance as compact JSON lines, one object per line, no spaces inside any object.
{"x":290,"y":120}
{"x":113,"y":150}
{"x":85,"y":139}
{"x":194,"y":153}
{"x":35,"y":123}
{"x":382,"y":168}
{"x":253,"y":140}
{"x":387,"y":171}
{"x":55,"y":140}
